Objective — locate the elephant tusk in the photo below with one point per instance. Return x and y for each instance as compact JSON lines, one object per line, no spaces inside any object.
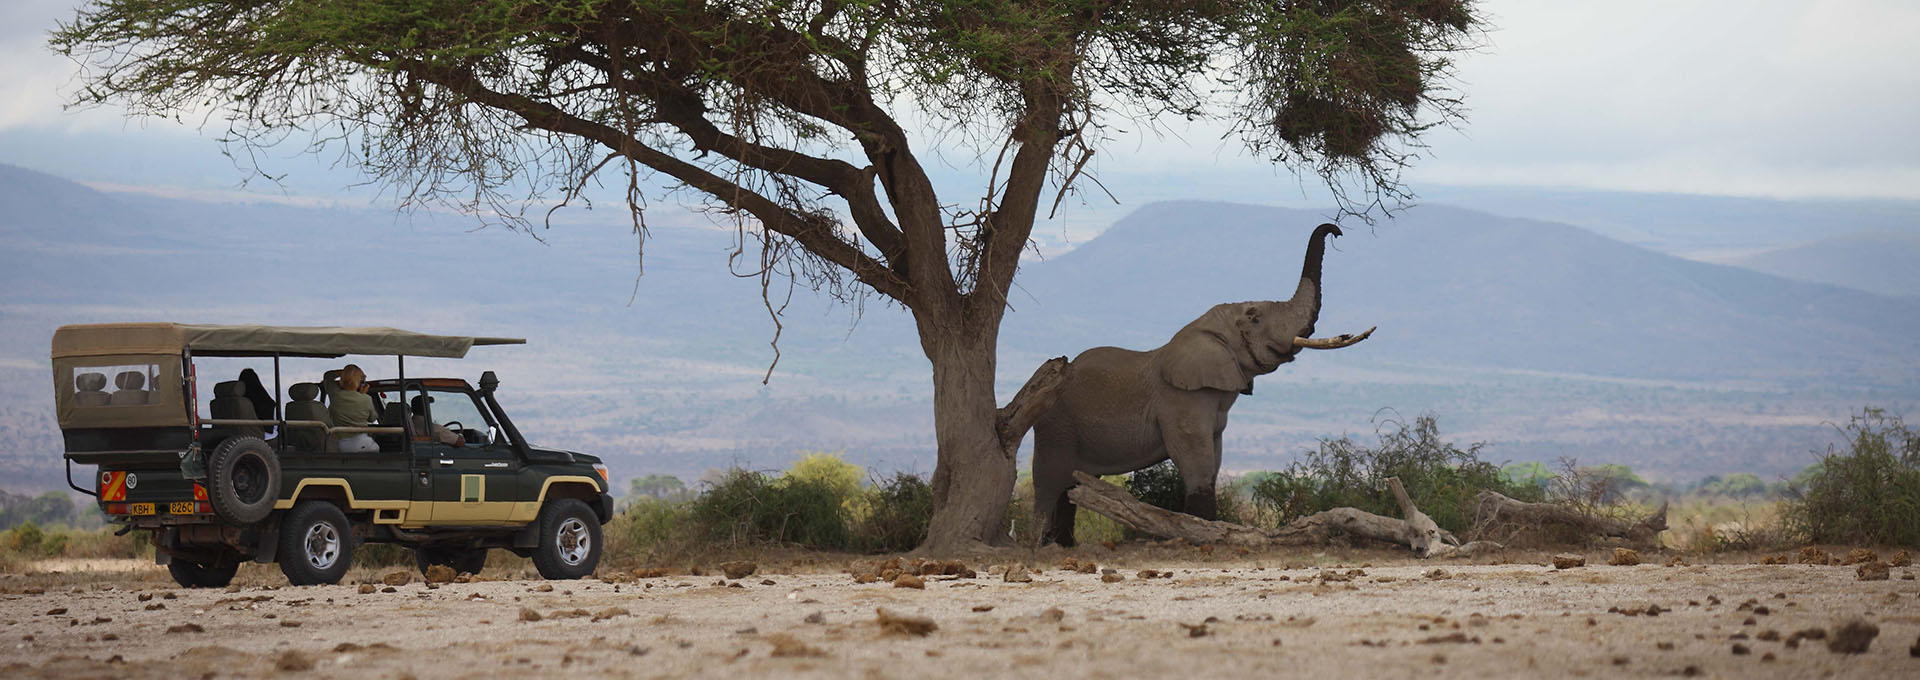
{"x":1332,"y":343}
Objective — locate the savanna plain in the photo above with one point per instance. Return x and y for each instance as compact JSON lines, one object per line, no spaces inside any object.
{"x":1143,"y":609}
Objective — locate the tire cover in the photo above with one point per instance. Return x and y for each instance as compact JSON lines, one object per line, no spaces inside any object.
{"x":228,"y":458}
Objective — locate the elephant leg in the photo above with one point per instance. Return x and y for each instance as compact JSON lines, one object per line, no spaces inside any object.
{"x":1197,"y":455}
{"x":1053,"y":513}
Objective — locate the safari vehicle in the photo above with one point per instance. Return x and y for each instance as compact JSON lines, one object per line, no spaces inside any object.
{"x":214,"y":490}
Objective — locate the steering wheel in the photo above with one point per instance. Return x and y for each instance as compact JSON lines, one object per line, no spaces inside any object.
{"x":453,"y":426}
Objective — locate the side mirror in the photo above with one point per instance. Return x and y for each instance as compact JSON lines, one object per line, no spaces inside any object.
{"x":488,"y":381}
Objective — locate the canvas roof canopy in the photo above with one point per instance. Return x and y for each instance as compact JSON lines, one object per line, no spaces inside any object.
{"x":249,"y":340}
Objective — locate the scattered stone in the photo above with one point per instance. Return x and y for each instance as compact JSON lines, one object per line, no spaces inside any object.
{"x":1568,"y":561}
{"x":651,"y":572}
{"x":1197,"y":630}
{"x":1901,"y":558}
{"x":543,"y":588}
{"x":1455,"y":637}
{"x":904,"y":624}
{"x":289,"y":624}
{"x":1860,"y":556}
{"x":1873,"y":571}
{"x":231,"y":589}
{"x":1677,"y":561}
{"x":1017,"y":575}
{"x":1813,"y":555}
{"x":610,"y":612}
{"x":785,"y":645}
{"x":163,"y":596}
{"x":1774,"y":559}
{"x":186,"y":628}
{"x":366,"y":589}
{"x":1438,"y":574}
{"x":738,"y":570}
{"x":1624,"y":557}
{"x":397,"y":578}
{"x":1852,"y":637}
{"x":1111,"y":576}
{"x":143,"y":597}
{"x":294,"y":661}
{"x":1154,"y":573}
{"x":865,"y":577}
{"x":575,"y":613}
{"x":438,"y":573}
{"x":389,"y":589}
{"x":1768,"y":635}
{"x":767,"y":582}
{"x":1664,"y":646}
{"x":910,"y":581}
{"x":1052,"y":615}
{"x":1914,"y":651}
{"x":56,"y":611}
{"x":816,"y":617}
{"x":1741,"y":650}
{"x":528,"y":615}
{"x":983,"y":607}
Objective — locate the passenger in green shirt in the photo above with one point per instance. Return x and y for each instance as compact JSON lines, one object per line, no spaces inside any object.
{"x":348,"y":403}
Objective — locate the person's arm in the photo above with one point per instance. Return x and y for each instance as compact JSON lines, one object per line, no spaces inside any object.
{"x":330,"y":383}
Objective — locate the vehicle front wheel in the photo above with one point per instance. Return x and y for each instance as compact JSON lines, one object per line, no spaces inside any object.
{"x":316,"y":544}
{"x":193,"y":574}
{"x":569,"y":540}
{"x":460,"y":560}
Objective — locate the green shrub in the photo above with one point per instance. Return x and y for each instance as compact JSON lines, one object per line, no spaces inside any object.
{"x":382,"y":555}
{"x":1441,"y":478}
{"x":26,"y":538}
{"x":1162,"y":487}
{"x":1868,"y":494}
{"x":751,"y":507}
{"x":897,"y":512}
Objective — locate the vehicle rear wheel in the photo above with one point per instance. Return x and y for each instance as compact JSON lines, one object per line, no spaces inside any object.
{"x":243,"y":480}
{"x":316,"y":544}
{"x":569,"y":540}
{"x":460,"y":560}
{"x":196,"y":574}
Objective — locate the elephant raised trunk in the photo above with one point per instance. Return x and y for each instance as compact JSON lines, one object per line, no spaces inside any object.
{"x":1308,"y":292}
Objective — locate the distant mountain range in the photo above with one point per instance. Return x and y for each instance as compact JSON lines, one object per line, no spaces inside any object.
{"x":1885,"y":262}
{"x":1545,"y":339}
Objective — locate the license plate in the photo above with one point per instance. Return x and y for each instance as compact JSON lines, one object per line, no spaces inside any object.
{"x":180,"y":507}
{"x":140,"y":509}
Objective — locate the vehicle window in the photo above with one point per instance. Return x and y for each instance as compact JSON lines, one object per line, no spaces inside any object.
{"x":115,"y":385}
{"x":451,"y":406}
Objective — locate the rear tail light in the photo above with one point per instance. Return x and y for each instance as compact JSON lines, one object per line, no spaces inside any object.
{"x":116,"y":508}
{"x":203,"y":507}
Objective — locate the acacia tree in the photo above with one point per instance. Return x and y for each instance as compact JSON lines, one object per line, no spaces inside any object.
{"x":797,"y":117}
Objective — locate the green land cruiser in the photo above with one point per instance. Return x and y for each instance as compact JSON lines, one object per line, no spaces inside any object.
{"x":215,"y":489}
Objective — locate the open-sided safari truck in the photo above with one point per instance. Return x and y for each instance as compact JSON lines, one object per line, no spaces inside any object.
{"x":215,"y":490}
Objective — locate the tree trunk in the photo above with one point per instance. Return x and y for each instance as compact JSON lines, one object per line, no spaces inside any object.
{"x":973,"y":475}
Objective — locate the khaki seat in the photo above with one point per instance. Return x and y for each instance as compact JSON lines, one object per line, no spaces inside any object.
{"x":230,"y":402}
{"x":132,"y":392}
{"x":305,"y":405}
{"x":90,"y":389}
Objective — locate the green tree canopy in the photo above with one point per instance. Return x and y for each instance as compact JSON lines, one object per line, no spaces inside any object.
{"x":795,"y":117}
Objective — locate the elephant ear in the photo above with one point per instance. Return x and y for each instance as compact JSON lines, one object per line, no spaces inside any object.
{"x":1206,"y":354}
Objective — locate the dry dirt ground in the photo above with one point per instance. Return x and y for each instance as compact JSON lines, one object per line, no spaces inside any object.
{"x":1287,"y":614}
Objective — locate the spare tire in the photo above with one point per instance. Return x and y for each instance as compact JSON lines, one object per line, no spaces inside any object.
{"x":243,"y":480}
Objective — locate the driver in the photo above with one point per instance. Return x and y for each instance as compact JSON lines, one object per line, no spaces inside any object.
{"x":421,"y":424}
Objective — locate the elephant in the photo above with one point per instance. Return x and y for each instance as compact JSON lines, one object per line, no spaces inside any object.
{"x":1120,"y":410}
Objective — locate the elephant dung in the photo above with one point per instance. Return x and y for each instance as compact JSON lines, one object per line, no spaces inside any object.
{"x":1624,"y":557}
{"x":909,"y":581}
{"x":1018,"y":574}
{"x":903,"y":624}
{"x":440,"y":573}
{"x":738,"y":570}
{"x":1852,"y":637}
{"x":1568,"y":561}
{"x":1873,"y":571}
{"x":397,"y":578}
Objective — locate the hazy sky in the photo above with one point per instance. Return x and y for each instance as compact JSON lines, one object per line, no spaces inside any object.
{"x":1736,"y":97}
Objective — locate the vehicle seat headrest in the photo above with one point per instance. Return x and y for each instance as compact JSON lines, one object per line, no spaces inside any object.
{"x":304,"y":392}
{"x":90,"y":382}
{"x":130,"y":380}
{"x":230,"y":388}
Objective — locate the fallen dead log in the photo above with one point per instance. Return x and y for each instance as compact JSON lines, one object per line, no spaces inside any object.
{"x":1423,"y":535}
{"x":1494,"y":509}
{"x":1095,"y":494}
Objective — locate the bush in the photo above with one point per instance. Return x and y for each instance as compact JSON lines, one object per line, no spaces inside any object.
{"x":897,"y":512}
{"x":751,"y":507}
{"x":1441,"y":478}
{"x":1162,"y":486}
{"x":1868,"y":494}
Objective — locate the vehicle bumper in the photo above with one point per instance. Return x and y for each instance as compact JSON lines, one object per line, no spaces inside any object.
{"x":604,"y":508}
